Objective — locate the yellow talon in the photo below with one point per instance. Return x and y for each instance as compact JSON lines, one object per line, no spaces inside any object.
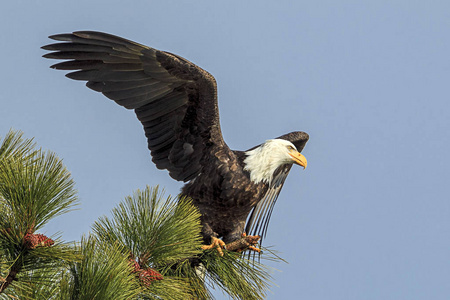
{"x":216,"y":243}
{"x":254,"y":249}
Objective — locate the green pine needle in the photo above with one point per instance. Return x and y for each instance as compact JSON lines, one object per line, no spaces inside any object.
{"x":34,"y":187}
{"x":15,"y":146}
{"x":156,"y":231}
{"x":103,"y":273}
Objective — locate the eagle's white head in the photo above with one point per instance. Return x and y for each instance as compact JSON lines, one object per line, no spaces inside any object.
{"x":262,"y":161}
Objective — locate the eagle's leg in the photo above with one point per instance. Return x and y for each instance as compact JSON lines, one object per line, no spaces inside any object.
{"x":252,"y":240}
{"x":215,"y":243}
{"x":246,"y":242}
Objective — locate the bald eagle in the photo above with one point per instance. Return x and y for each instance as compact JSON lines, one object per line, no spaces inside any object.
{"x":176,"y":102}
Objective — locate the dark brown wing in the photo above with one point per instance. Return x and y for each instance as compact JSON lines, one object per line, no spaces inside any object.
{"x":258,"y":221}
{"x":175,"y":100}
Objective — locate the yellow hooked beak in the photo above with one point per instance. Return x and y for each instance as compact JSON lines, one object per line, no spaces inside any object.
{"x":298,"y":158}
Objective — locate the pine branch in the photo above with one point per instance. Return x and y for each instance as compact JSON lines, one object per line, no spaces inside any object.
{"x":9,"y":278}
{"x":30,"y":241}
{"x":157,"y":234}
{"x":34,"y":187}
{"x":103,"y":273}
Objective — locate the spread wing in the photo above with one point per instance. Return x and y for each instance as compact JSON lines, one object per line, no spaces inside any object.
{"x":258,"y":221}
{"x":175,"y":100}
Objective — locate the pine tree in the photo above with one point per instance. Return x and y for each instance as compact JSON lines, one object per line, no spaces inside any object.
{"x":150,"y":247}
{"x":34,"y":188}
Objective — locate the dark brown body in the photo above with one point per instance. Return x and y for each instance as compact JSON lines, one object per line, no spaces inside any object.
{"x":225,"y":195}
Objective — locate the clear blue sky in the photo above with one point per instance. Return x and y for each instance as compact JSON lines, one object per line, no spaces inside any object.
{"x":368,"y":80}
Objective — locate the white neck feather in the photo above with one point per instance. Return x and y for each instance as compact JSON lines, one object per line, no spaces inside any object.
{"x":262,"y":162}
